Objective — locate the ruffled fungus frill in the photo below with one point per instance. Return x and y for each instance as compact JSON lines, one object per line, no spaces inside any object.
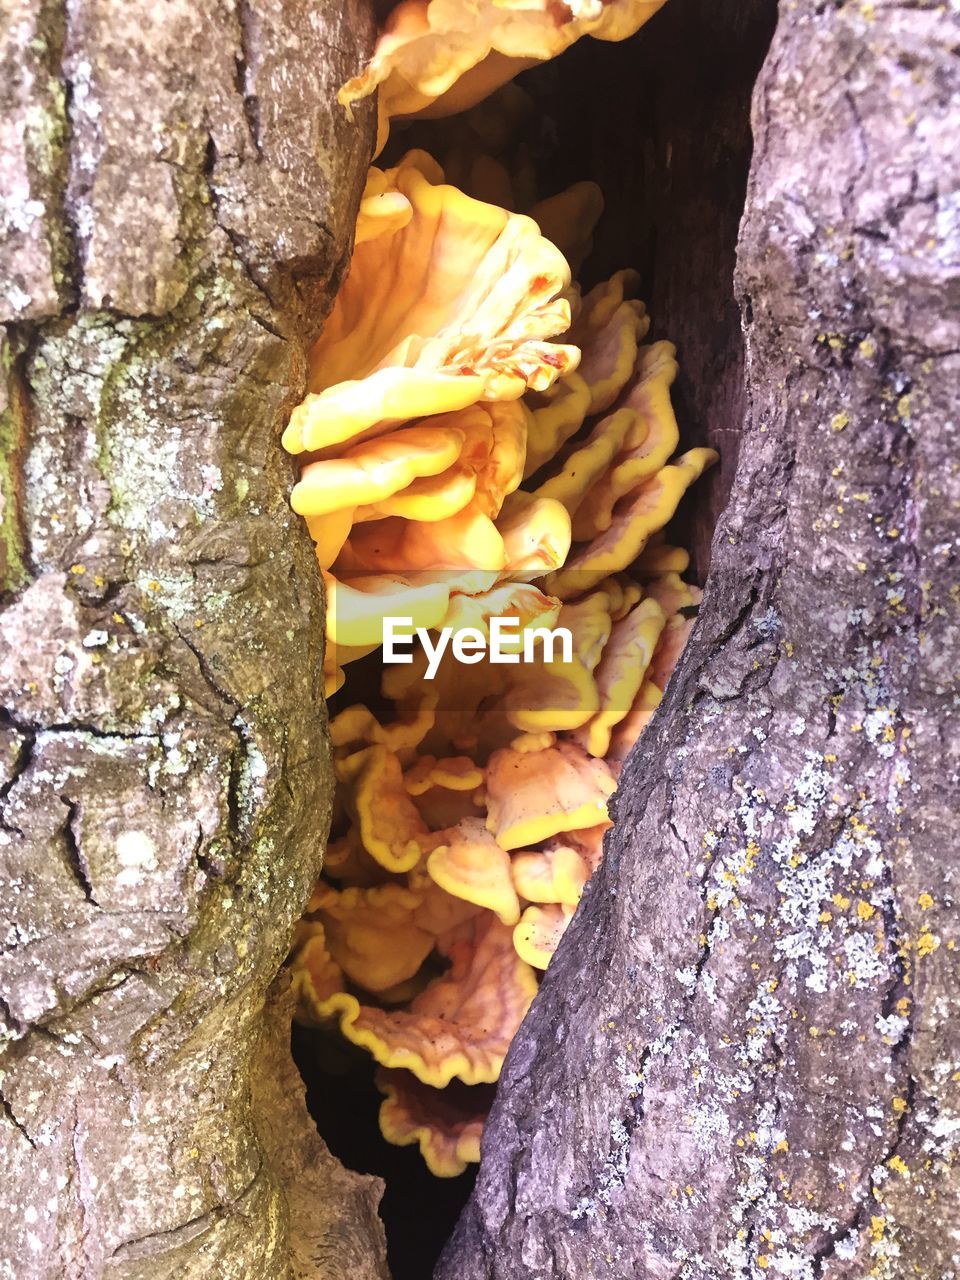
{"x":473,"y":866}
{"x":608,"y":328}
{"x":446,"y":1124}
{"x":460,"y":1025}
{"x":538,"y":934}
{"x":556,"y":873}
{"x":391,"y":830}
{"x":397,"y":345}
{"x":372,"y":935}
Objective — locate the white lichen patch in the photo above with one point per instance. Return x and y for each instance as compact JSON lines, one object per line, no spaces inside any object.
{"x":136,"y":856}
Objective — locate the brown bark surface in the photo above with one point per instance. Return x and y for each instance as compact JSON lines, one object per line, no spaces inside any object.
{"x":743,"y":1059}
{"x":180,"y":191}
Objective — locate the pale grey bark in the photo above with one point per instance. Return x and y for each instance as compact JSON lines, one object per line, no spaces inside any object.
{"x":180,"y":190}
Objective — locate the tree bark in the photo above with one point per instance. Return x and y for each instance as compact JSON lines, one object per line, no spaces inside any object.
{"x":180,"y":193}
{"x":742,"y":1060}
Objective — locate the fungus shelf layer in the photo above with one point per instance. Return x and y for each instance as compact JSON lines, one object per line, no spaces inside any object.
{"x":482,"y":439}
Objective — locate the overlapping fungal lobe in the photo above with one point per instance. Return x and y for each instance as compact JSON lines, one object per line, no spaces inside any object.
{"x":520,"y":464}
{"x":446,"y":1124}
{"x":448,"y":301}
{"x":438,"y":57}
{"x":413,"y":431}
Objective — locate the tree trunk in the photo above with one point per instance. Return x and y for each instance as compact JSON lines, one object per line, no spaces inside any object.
{"x":180,"y":193}
{"x":742,"y":1060}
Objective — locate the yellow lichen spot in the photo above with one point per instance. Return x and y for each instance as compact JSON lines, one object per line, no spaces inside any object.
{"x":865,"y":911}
{"x":840,"y":901}
{"x":839,"y":420}
{"x":903,"y":407}
{"x":153,"y":585}
{"x":877,"y":1228}
{"x":118,"y":618}
{"x":763,"y":1261}
{"x":825,"y":917}
{"x":925,"y":902}
{"x":830,"y":758}
{"x":927,"y":943}
{"x":898,"y":1165}
{"x":814,"y":1031}
{"x":899,"y":1106}
{"x":782,"y":1145}
{"x":78,"y":570}
{"x":893,"y":533}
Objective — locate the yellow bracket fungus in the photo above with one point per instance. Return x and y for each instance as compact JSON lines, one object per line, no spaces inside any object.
{"x":623,"y":663}
{"x":557,"y":873}
{"x":390,"y":826}
{"x":538,"y":934}
{"x":372,"y":934}
{"x":634,"y":518}
{"x":459,"y":467}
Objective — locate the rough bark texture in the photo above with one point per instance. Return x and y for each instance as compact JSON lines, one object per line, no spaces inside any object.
{"x":180,"y":190}
{"x":743,"y":1059}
